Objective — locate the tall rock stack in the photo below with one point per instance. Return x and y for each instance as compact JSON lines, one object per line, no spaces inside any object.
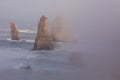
{"x":43,"y":39}
{"x":14,"y":32}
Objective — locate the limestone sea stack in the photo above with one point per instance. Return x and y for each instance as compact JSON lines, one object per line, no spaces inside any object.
{"x":43,"y":39}
{"x":14,"y":32}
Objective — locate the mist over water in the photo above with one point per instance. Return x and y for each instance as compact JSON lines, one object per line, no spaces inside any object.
{"x":94,"y":55}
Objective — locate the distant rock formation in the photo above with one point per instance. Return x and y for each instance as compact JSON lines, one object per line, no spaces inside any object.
{"x":43,"y":39}
{"x":14,"y":32}
{"x":76,"y":58}
{"x":56,"y":29}
{"x":62,"y":30}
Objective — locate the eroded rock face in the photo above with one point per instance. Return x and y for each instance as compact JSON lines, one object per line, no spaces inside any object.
{"x":43,"y":39}
{"x":14,"y":32}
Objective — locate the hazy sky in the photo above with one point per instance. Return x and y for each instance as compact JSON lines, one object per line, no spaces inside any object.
{"x":30,"y":10}
{"x":92,"y":18}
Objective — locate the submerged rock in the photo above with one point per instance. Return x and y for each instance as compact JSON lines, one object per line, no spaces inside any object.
{"x":24,"y":66}
{"x":14,"y":32}
{"x":43,"y":39}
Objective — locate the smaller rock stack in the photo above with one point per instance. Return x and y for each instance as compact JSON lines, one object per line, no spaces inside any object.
{"x":43,"y":39}
{"x":14,"y":32}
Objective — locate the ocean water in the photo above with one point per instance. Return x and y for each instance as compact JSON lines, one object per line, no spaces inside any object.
{"x":69,"y":61}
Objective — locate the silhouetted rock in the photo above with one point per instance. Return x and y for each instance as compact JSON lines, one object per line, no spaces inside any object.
{"x":43,"y":39}
{"x":14,"y":32}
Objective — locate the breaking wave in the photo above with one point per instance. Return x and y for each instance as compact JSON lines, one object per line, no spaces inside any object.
{"x":4,"y":34}
{"x":22,"y":40}
{"x":27,"y":31}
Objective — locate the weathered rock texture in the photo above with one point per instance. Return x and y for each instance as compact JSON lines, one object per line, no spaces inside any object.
{"x":61,"y":30}
{"x":14,"y":32}
{"x":43,"y":39}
